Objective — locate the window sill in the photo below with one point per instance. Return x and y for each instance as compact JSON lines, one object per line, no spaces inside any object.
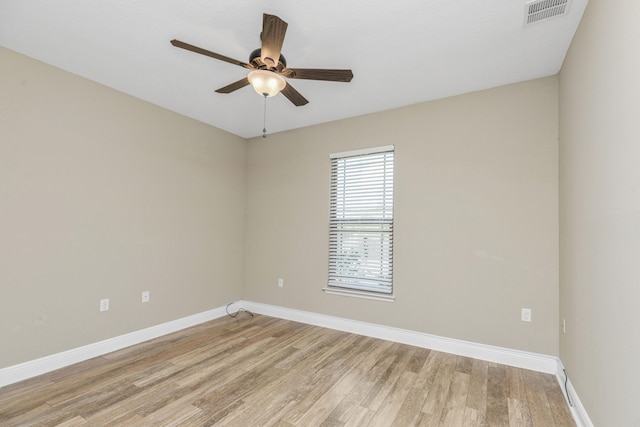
{"x":359,"y":294}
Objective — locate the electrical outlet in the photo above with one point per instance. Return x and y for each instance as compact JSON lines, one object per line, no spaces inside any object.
{"x":564,"y":326}
{"x":104,"y":304}
{"x":145,"y":296}
{"x":525,"y":315}
{"x":280,"y":283}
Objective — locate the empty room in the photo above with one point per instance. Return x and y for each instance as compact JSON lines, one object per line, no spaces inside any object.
{"x":282,"y":213}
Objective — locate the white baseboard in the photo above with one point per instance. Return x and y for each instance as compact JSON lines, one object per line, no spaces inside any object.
{"x":579,"y":413}
{"x":505,"y":356}
{"x":32,"y":368}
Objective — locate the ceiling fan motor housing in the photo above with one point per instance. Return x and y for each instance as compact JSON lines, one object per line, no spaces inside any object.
{"x":255,"y":59}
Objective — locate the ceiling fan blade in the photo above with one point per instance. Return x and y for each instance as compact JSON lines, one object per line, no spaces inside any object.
{"x":234,"y":86}
{"x":273,"y":31}
{"x":196,"y":49}
{"x":294,"y":96}
{"x":318,"y":74}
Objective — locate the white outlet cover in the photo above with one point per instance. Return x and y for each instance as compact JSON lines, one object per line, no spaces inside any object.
{"x":104,"y":304}
{"x":525,"y":315}
{"x":145,"y":296}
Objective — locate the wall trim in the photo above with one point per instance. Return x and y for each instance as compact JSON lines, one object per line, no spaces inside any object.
{"x":579,"y":412}
{"x":32,"y":368}
{"x":505,"y":356}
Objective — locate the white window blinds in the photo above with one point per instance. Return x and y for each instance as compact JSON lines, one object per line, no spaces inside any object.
{"x":361,"y":220}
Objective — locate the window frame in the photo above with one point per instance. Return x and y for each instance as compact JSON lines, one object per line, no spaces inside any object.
{"x":348,"y":216}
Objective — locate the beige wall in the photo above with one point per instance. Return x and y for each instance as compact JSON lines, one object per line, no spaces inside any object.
{"x":600,"y":212}
{"x":104,"y":196}
{"x":476,"y":216}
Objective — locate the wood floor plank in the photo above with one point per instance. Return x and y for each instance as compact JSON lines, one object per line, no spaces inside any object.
{"x":24,"y":389}
{"x":264,"y":371}
{"x":361,"y":417}
{"x":73,"y":422}
{"x":518,"y":413}
{"x":464,"y":365}
{"x":131,"y":419}
{"x":428,"y":371}
{"x":418,"y":359}
{"x":538,"y":404}
{"x":380,"y":393}
{"x":15,"y":416}
{"x":458,"y":390}
{"x":386,"y":414}
{"x":452,"y":417}
{"x":371,"y":367}
{"x":319,"y":383}
{"x":177,"y":413}
{"x":426,"y":420}
{"x":436,"y":398}
{"x":410,"y":411}
{"x":471,"y":418}
{"x":516,"y":388}
{"x":477,"y":394}
{"x":559,"y":409}
{"x":312,"y":367}
{"x":517,"y":398}
{"x":296,"y":380}
{"x":282,"y":423}
{"x":497,"y":403}
{"x":455,"y":405}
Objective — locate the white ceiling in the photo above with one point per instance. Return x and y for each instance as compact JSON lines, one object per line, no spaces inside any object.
{"x":401,"y":52}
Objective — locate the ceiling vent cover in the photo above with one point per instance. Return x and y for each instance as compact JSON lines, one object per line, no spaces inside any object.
{"x":541,"y":10}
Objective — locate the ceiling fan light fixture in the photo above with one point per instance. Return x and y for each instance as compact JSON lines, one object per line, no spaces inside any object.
{"x":266,"y":83}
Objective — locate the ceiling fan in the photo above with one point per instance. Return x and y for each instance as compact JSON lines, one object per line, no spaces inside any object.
{"x":269,"y":67}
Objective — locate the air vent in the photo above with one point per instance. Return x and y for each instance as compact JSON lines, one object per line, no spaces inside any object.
{"x":542,"y":10}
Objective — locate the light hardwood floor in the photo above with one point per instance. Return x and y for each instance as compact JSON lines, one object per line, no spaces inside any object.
{"x":264,"y":371}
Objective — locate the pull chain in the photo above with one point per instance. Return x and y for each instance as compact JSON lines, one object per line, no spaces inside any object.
{"x":264,"y":128}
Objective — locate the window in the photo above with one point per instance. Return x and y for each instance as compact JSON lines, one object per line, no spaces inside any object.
{"x":361,"y":223}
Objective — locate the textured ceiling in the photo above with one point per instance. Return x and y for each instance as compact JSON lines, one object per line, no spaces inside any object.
{"x":401,"y":52}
